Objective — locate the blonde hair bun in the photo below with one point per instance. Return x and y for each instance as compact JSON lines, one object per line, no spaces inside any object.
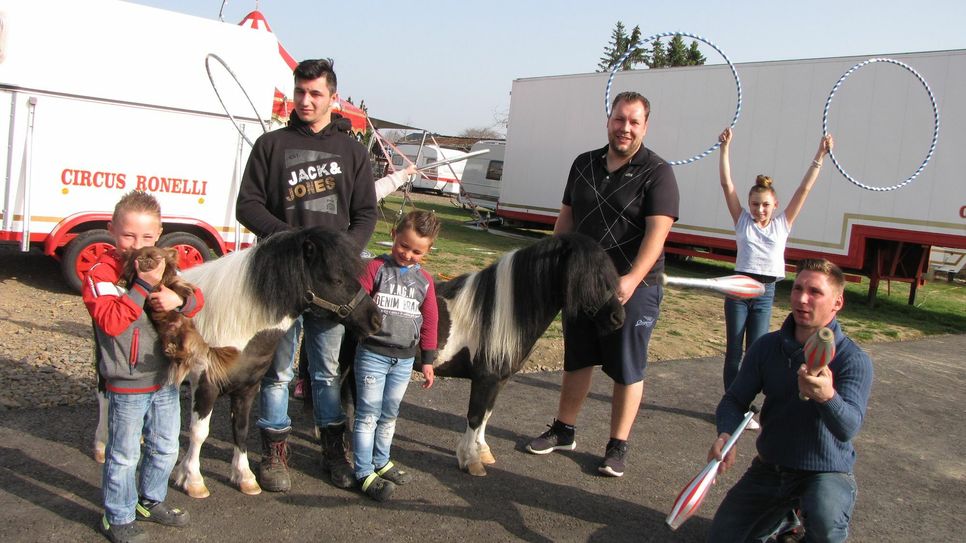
{"x":763,"y":181}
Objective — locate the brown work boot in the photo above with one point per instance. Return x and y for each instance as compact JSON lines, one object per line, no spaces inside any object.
{"x":273,"y":469}
{"x":335,"y":462}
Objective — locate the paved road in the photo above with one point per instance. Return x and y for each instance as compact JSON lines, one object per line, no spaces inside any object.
{"x":911,"y":471}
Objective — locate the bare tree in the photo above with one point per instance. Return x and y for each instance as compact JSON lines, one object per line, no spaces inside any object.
{"x":483,"y":133}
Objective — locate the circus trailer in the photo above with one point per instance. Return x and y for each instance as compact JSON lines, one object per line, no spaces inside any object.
{"x":882,"y":117}
{"x":443,"y":180}
{"x":482,"y":175}
{"x":102,"y":97}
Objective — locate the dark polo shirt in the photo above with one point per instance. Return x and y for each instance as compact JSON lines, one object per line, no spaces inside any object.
{"x":611,"y":207}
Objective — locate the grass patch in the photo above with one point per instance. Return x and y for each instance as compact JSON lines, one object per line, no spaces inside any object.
{"x":940,"y":305}
{"x":458,"y":249}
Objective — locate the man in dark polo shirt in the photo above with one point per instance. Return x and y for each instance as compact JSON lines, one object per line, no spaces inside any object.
{"x":625,"y":197}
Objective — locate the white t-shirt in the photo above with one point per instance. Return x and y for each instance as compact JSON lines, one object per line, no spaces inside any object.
{"x":761,"y":250}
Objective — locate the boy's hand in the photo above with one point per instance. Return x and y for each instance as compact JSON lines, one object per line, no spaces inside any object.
{"x":429,"y":374}
{"x":152,"y":277}
{"x":165,"y":299}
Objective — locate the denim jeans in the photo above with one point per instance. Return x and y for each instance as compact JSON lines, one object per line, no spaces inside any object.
{"x":745,"y":322}
{"x":273,"y":398}
{"x":323,"y":339}
{"x":381,"y":382}
{"x":156,"y":416}
{"x":756,"y":505}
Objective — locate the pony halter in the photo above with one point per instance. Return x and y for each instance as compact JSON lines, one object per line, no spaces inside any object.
{"x":342,"y":311}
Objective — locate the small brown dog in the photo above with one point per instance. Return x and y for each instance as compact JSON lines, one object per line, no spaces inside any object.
{"x":180,"y":340}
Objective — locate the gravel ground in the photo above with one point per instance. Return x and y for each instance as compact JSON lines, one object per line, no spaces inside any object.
{"x":46,"y":345}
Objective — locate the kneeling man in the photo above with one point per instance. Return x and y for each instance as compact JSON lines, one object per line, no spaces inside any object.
{"x":805,"y":454}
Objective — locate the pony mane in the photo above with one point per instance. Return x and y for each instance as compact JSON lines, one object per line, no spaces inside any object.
{"x":591,"y":278}
{"x":499,"y":312}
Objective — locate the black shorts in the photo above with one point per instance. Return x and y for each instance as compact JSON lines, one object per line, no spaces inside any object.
{"x":622,"y":353}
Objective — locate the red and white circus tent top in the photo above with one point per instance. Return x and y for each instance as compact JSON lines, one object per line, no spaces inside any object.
{"x":283,"y":105}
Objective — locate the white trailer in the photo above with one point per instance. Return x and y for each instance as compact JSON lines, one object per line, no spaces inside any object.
{"x":443,"y":179}
{"x":881,"y":117}
{"x":483,"y":174}
{"x":103,"y":97}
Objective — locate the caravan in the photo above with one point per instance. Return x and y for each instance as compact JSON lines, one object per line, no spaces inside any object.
{"x":94,"y":120}
{"x":483,"y":174}
{"x":444,"y":180}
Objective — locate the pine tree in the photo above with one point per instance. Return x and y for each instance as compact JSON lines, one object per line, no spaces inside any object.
{"x":619,"y":45}
{"x":613,"y":51}
{"x":677,"y":52}
{"x":695,"y":58}
{"x":659,"y":56}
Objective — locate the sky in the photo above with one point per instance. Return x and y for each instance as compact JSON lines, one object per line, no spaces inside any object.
{"x":448,"y":66}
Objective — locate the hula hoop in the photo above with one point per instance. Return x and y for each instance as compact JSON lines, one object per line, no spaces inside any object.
{"x":731,"y":66}
{"x":222,"y":102}
{"x":935,"y":132}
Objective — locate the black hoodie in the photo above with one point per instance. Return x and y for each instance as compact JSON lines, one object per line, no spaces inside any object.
{"x":296,"y":178}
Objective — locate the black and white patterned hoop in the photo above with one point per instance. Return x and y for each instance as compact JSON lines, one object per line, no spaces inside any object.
{"x":734,"y":72}
{"x":222,"y":102}
{"x":935,"y":133}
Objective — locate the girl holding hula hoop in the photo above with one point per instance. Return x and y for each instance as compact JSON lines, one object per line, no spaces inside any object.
{"x":760,"y":233}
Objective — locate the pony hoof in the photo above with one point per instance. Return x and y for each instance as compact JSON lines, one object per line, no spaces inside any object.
{"x":250,"y":488}
{"x":476,"y":469}
{"x":486,"y":457}
{"x":99,"y":456}
{"x":198,"y":490}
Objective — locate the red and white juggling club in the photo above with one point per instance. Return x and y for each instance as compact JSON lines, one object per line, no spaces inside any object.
{"x":735,"y":286}
{"x":693,"y":494}
{"x":819,"y":350}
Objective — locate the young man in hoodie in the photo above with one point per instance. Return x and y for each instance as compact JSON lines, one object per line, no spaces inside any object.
{"x":309,"y":173}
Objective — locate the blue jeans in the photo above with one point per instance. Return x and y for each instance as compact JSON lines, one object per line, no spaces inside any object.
{"x":156,"y":416}
{"x":381,"y":382}
{"x":756,"y":505}
{"x":745,"y":322}
{"x":323,"y":339}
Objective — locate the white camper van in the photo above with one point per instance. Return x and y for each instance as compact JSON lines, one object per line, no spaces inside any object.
{"x":444,"y":179}
{"x":119,"y":106}
{"x":881,"y":117}
{"x":483,"y":174}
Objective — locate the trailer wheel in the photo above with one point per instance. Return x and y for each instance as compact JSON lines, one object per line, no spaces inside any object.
{"x":191,"y":250}
{"x":81,"y":253}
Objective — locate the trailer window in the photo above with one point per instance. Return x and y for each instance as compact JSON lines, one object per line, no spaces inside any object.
{"x":495,"y":170}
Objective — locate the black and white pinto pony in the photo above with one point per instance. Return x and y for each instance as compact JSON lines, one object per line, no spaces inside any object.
{"x":490,"y":320}
{"x":252,"y":298}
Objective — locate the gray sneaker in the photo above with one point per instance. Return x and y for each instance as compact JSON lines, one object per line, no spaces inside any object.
{"x":613,"y":463}
{"x":557,"y":438}
{"x":161,"y":513}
